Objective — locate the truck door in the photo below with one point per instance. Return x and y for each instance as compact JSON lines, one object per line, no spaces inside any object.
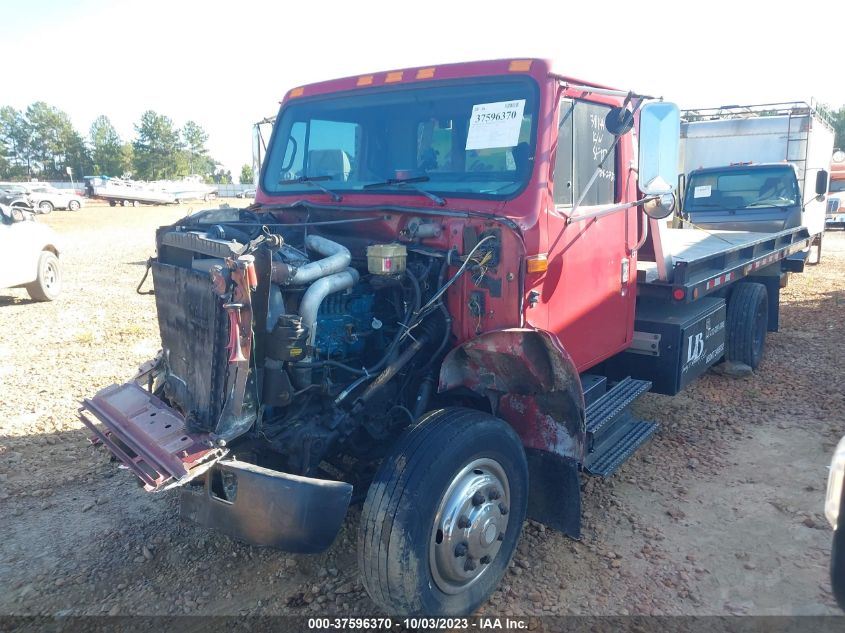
{"x":589,"y":288}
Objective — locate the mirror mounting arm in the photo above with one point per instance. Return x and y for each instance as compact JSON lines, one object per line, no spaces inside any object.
{"x":598,"y":213}
{"x":628,"y":96}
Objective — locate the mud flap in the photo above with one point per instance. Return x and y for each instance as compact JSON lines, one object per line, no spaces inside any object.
{"x":268,"y":507}
{"x":554,"y":492}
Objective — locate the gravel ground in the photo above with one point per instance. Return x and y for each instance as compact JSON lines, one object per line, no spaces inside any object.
{"x":720,"y":514}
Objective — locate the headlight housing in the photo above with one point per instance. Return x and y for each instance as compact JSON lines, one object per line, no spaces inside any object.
{"x":834,"y":485}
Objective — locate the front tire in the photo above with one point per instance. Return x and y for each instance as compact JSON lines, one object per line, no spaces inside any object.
{"x":45,"y":207}
{"x":73,"y":205}
{"x":443,"y":515}
{"x":48,"y":285}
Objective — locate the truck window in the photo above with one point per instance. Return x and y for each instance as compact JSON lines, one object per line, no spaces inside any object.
{"x":583,"y":142}
{"x":320,"y":148}
{"x":741,"y":188}
{"x":469,"y":139}
{"x":836,"y":186}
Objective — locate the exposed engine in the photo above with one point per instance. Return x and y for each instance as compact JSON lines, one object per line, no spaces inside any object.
{"x":305,"y":350}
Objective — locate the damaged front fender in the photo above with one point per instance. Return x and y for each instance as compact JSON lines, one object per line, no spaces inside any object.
{"x":532,"y":384}
{"x":533,"y":381}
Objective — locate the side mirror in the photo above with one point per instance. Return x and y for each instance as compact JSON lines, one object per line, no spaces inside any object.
{"x":821,"y":182}
{"x":619,"y":121}
{"x":659,"y":139}
{"x":660,"y":207}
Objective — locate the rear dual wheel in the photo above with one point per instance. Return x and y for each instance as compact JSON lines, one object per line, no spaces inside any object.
{"x":747,"y":323}
{"x":443,"y":515}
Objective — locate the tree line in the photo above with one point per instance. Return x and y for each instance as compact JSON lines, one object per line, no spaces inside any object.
{"x":41,"y":142}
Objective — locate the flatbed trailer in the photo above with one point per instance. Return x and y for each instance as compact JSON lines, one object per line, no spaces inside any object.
{"x":684,"y":318}
{"x":704,"y":262}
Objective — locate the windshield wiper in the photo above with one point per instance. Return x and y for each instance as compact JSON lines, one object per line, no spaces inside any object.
{"x":315,"y":181}
{"x":407,"y":182}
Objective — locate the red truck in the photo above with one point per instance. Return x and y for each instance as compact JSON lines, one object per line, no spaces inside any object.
{"x":453,"y":283}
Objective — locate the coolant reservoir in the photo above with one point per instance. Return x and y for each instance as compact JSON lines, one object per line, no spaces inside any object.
{"x":386,"y":259}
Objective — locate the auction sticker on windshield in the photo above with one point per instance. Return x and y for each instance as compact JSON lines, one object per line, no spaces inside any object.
{"x":703,"y":191}
{"x":495,"y":124}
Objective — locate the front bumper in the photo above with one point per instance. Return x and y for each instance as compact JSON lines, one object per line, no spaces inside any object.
{"x":268,"y":507}
{"x":248,"y":502}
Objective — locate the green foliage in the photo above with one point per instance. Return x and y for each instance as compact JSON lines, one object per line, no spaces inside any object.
{"x":107,"y":150}
{"x":157,"y":149}
{"x":247,"y":177}
{"x":194,"y":139}
{"x":14,"y":143}
{"x":41,"y":142}
{"x":222,"y":177}
{"x":838,"y":117}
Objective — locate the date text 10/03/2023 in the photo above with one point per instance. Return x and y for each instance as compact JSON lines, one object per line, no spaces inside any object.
{"x":437,"y":624}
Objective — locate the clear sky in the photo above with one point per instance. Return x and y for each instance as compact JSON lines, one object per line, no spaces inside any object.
{"x":227,"y":64}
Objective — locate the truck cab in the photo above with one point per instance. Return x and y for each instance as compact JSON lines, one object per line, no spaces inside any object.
{"x":761,"y":198}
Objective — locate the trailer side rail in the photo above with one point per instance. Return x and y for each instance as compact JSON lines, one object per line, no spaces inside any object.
{"x":705,"y":275}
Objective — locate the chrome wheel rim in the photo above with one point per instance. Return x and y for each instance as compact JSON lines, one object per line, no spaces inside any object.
{"x":469,"y":525}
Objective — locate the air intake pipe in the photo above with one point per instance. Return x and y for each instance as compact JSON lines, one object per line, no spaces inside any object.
{"x":337,"y":258}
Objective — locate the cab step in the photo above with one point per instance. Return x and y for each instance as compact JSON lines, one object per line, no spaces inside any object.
{"x":613,"y":433}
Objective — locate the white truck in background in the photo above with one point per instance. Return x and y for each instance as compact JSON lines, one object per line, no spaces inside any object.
{"x":760,"y":168}
{"x":836,"y":192}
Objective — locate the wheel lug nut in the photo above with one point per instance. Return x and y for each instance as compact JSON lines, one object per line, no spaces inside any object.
{"x":494,"y":494}
{"x":464,"y":522}
{"x":477,"y":498}
{"x":461,"y":550}
{"x":485,"y":560}
{"x":503,"y":508}
{"x":469,"y":565}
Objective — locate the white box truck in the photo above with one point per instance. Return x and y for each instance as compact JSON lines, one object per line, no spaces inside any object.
{"x":760,"y":168}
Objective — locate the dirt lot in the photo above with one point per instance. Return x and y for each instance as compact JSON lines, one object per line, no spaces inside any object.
{"x":721,"y":513}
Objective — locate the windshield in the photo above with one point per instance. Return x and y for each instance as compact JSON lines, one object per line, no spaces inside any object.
{"x":742,"y":189}
{"x":457,"y":139}
{"x":837,"y":186}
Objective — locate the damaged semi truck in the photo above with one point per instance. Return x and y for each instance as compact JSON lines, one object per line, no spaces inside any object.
{"x":453,"y":283}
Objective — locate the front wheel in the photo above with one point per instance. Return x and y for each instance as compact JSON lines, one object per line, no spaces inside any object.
{"x":48,"y":284}
{"x":443,"y":515}
{"x":73,"y":205}
{"x":45,"y":207}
